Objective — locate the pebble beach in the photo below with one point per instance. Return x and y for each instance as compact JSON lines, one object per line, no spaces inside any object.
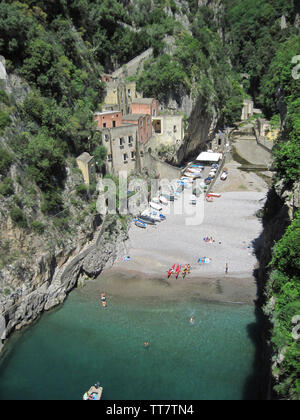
{"x":230,"y":220}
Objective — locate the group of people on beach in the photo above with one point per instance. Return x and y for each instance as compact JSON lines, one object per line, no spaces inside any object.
{"x":209,"y":239}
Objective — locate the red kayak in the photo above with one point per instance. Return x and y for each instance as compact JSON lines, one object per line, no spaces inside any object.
{"x":177,"y":272}
{"x":213,"y":195}
{"x":171,"y":270}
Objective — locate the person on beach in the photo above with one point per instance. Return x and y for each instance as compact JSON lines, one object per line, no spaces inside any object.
{"x":226,"y":268}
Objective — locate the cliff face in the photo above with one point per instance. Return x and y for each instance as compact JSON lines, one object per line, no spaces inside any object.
{"x":46,"y":282}
{"x":39,"y":268}
{"x":202,"y":128}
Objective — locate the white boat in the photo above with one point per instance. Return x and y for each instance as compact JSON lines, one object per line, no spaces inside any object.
{"x":146,"y":212}
{"x":155,"y":206}
{"x":155,"y":200}
{"x":163,"y":200}
{"x":189,"y":175}
{"x":185,"y":179}
{"x":194,"y":171}
{"x":155,"y":216}
{"x":193,"y":199}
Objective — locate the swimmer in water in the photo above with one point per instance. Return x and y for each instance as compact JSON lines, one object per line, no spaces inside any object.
{"x":146,"y":344}
{"x":191,"y":320}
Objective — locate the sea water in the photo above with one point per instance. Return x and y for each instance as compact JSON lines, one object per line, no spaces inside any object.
{"x":81,"y":343}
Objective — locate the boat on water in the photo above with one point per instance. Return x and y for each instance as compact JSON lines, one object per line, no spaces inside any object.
{"x":94,"y":393}
{"x":155,"y":206}
{"x":209,"y":199}
{"x":140,"y":223}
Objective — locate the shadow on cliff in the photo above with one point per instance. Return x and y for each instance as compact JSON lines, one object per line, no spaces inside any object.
{"x":256,"y":386}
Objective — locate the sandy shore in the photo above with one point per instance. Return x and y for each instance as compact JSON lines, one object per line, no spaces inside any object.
{"x":230,"y":220}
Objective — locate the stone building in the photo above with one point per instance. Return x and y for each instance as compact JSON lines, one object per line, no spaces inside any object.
{"x":169,"y":129}
{"x":148,"y":106}
{"x":247,"y":110}
{"x":124,"y":151}
{"x":119,"y":95}
{"x":108,"y":119}
{"x":86,"y":164}
{"x":143,"y":123}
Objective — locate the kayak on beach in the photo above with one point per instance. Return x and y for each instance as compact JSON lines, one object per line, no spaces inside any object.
{"x":171,"y":271}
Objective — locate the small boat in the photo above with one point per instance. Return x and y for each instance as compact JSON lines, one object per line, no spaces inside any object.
{"x":223,"y":177}
{"x":155,"y":206}
{"x":194,"y":171}
{"x":140,"y":223}
{"x":154,"y":215}
{"x":163,"y":200}
{"x":155,"y":200}
{"x":189,"y":175}
{"x":209,"y":199}
{"x":162,"y":216}
{"x":94,"y":393}
{"x":147,"y":219}
{"x":193,"y":199}
{"x":213,"y":195}
{"x":177,"y":271}
{"x":171,"y":271}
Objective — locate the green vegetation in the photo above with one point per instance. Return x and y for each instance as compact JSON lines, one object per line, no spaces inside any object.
{"x":284,"y":286}
{"x":38,"y":227}
{"x":199,"y":65}
{"x":18,"y":217}
{"x":7,"y":187}
{"x":5,"y":161}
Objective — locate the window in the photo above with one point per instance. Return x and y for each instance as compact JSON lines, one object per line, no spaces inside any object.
{"x":109,"y":157}
{"x":104,"y":125}
{"x":125,"y":157}
{"x":130,"y":140}
{"x":122,"y":141}
{"x":133,"y":155}
{"x":106,"y":137}
{"x":141,"y":123}
{"x":129,"y":93}
{"x":174,"y":129}
{"x":114,"y":123}
{"x":142,"y":153}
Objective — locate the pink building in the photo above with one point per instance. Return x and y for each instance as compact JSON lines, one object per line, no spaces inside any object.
{"x":148,"y":106}
{"x":143,"y":122}
{"x":108,"y":119}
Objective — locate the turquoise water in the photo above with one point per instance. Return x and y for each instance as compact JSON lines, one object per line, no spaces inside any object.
{"x":71,"y":348}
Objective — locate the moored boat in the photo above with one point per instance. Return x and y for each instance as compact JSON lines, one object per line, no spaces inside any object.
{"x":147,"y":219}
{"x":163,"y":200}
{"x":94,"y":393}
{"x":140,"y":223}
{"x":155,"y":206}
